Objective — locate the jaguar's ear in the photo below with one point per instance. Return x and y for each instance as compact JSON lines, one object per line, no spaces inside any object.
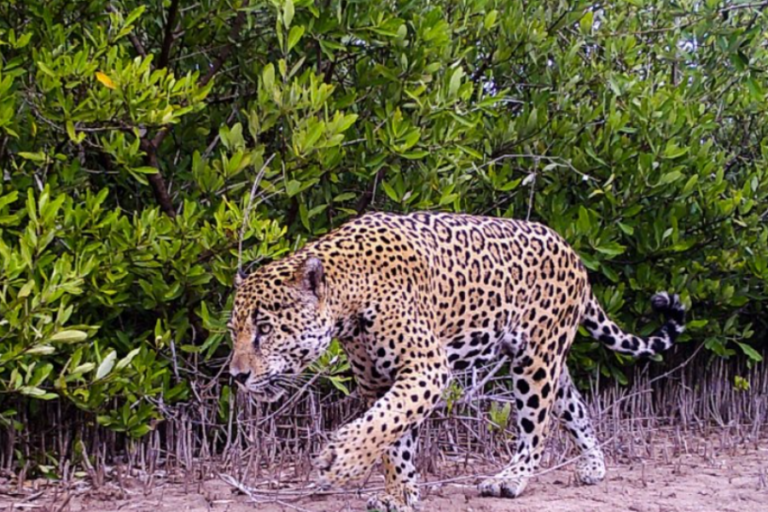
{"x":240,"y":277}
{"x":312,"y":276}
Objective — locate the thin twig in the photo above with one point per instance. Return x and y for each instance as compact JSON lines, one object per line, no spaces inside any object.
{"x":293,"y":399}
{"x":234,"y":31}
{"x":657,"y":378}
{"x":256,"y":182}
{"x":531,"y":196}
{"x":560,"y":162}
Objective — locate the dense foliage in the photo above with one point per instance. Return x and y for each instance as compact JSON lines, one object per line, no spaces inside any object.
{"x":131,"y":132}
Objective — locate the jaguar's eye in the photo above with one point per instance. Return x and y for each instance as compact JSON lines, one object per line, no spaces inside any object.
{"x":264,"y":329}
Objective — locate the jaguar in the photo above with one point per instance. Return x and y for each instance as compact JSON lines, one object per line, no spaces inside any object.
{"x":413,"y":300}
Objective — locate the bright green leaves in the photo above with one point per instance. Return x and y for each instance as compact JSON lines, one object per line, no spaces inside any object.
{"x":334,"y":367}
{"x":121,"y":26}
{"x":294,"y":36}
{"x":636,"y":134}
{"x":7,"y":104}
{"x":98,"y":94}
{"x":69,"y":336}
{"x":268,"y":79}
{"x":587,"y":22}
{"x":106,"y":365}
{"x":673,"y":151}
{"x":288,"y":11}
{"x":401,"y":135}
{"x":498,"y":416}
{"x":315,"y":134}
{"x":307,"y":98}
{"x":490,"y":19}
{"x":753,"y":355}
{"x":455,"y":81}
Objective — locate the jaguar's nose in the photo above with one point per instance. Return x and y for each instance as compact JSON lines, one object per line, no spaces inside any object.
{"x":242,"y":377}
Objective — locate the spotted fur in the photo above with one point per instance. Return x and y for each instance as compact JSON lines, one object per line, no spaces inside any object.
{"x":415,"y":298}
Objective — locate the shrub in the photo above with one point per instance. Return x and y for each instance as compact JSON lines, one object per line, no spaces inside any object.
{"x":130,"y":135}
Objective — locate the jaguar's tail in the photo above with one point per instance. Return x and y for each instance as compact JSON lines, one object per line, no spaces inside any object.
{"x":605,"y":330}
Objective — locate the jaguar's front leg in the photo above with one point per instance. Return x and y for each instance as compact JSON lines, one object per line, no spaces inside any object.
{"x":358,"y":445}
{"x":401,"y":492}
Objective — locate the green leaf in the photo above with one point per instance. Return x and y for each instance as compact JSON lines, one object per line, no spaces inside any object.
{"x":344,"y":197}
{"x":45,"y":69}
{"x":106,"y":365}
{"x":41,"y":350}
{"x":71,"y":131}
{"x":390,"y":191}
{"x":268,"y":77}
{"x":672,"y":151}
{"x":292,"y":188}
{"x":26,"y":289}
{"x":9,"y":198}
{"x":455,"y":83}
{"x":295,"y":36}
{"x":288,"y":11}
{"x":83,"y":368}
{"x":36,"y":157}
{"x":135,"y":14}
{"x":69,"y":336}
{"x":750,"y":352}
{"x":697,"y":324}
{"x":510,"y":185}
{"x":415,"y":155}
{"x":490,"y":19}
{"x":611,"y":248}
{"x":669,"y":177}
{"x":692,"y":181}
{"x":127,"y":359}
{"x":583,"y":223}
{"x":145,"y":170}
{"x":32,"y":391}
{"x":626,"y":228}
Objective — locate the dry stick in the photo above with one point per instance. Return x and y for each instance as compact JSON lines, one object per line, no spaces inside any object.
{"x":247,"y":212}
{"x":457,"y":479}
{"x":248,"y":492}
{"x":464,"y":399}
{"x":294,"y":494}
{"x":480,"y":385}
{"x":476,"y":476}
{"x":293,"y":399}
{"x":531,"y":197}
{"x":657,"y":378}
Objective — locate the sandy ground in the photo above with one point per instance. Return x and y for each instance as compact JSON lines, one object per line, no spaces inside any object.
{"x":732,"y":482}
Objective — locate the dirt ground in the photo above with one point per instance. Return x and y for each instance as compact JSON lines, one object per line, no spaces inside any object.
{"x":736,"y":481}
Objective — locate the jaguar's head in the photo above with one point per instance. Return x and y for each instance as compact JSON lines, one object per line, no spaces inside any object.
{"x":280,"y":323}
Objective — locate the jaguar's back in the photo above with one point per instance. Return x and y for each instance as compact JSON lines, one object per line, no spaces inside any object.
{"x":482,"y":282}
